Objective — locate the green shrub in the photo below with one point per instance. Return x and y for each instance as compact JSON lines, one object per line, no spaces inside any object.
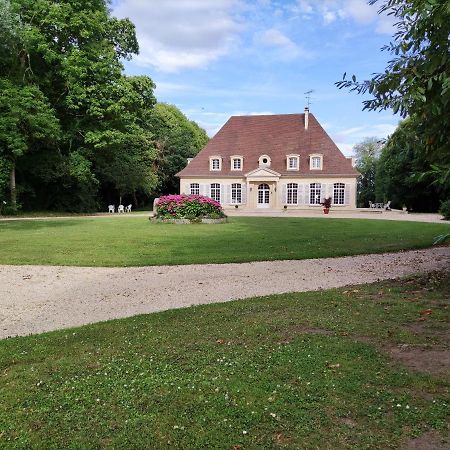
{"x":445,"y":209}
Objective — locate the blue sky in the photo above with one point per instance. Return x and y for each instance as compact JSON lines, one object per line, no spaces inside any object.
{"x":217,"y":58}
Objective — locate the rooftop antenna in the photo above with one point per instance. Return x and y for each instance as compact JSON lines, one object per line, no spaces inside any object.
{"x":308,"y":97}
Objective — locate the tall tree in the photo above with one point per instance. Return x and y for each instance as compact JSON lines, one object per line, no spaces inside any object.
{"x":176,"y":139}
{"x":416,"y":81}
{"x":26,"y":122}
{"x":367,"y":153}
{"x":400,"y":170}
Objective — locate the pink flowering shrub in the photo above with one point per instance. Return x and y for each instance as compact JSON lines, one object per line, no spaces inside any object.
{"x":188,"y":207}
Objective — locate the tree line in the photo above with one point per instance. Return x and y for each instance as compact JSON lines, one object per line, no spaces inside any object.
{"x":76,"y":133}
{"x":398,"y":169}
{"x":412,"y":168}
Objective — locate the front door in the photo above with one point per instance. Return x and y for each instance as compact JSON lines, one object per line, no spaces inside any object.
{"x":263,"y":196}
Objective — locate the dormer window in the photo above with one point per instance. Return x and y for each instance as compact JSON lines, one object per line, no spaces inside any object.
{"x":264,"y":161}
{"x":292,"y":162}
{"x":315,"y":162}
{"x":236,"y":162}
{"x":215,"y":163}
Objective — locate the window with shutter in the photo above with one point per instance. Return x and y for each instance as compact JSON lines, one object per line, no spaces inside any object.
{"x":292,"y":194}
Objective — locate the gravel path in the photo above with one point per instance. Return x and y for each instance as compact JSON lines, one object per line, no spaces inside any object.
{"x":34,"y":299}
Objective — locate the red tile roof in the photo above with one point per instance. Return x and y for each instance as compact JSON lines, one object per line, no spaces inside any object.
{"x":275,"y":136}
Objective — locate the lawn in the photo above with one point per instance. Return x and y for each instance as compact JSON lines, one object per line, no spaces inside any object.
{"x":134,"y":241}
{"x":305,"y":370}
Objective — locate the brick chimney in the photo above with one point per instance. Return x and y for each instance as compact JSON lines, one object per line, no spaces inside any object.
{"x":306,"y":117}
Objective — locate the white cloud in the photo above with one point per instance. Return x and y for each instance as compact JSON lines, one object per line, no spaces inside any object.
{"x":275,"y":38}
{"x":283,"y":47}
{"x":358,"y":11}
{"x":176,"y":34}
{"x":347,"y":138}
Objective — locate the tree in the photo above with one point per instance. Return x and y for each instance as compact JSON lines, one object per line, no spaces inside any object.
{"x":26,"y":122}
{"x":367,"y":153}
{"x":416,"y":81}
{"x":400,"y":169}
{"x":176,"y":139}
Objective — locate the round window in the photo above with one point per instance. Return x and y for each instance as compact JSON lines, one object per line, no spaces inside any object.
{"x":264,"y":160}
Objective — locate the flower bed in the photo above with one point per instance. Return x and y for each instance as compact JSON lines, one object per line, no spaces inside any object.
{"x":194,"y":208}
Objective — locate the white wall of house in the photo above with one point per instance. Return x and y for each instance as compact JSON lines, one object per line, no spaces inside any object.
{"x":293,"y":192}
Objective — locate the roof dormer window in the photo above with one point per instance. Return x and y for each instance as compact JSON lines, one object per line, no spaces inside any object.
{"x":215,"y":163}
{"x":293,"y":162}
{"x":316,"y":162}
{"x":237,"y":162}
{"x":264,"y":161}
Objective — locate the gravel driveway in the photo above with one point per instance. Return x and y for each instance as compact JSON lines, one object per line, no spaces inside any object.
{"x":34,"y":299}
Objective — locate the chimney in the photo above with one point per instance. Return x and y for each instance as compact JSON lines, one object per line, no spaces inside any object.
{"x":306,"y":117}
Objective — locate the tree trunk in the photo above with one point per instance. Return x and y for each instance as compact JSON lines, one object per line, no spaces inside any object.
{"x":12,"y":187}
{"x":120,"y":199}
{"x":135,"y":199}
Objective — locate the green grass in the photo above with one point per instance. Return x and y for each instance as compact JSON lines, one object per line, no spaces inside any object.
{"x":134,"y":241}
{"x":289,"y":371}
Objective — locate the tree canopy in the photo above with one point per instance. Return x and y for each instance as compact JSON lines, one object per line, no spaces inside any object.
{"x":416,"y":81}
{"x":75,"y":131}
{"x":367,"y":154}
{"x":401,"y":173}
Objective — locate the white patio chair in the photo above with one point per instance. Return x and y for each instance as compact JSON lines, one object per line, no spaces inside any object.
{"x":111,"y":209}
{"x":371,"y":204}
{"x":387,"y":206}
{"x":128,"y":208}
{"x":120,"y":209}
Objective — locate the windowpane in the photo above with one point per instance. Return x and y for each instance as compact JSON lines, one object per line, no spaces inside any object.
{"x":293,"y":163}
{"x":236,"y":193}
{"x":314,"y":193}
{"x":215,"y":164}
{"x":215,"y":192}
{"x":338,"y":193}
{"x":292,"y":193}
{"x":315,"y":162}
{"x":195,"y":189}
{"x":237,"y":164}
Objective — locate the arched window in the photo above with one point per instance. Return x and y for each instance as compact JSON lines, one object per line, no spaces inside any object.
{"x":292,"y":193}
{"x":236,"y":193}
{"x":195,"y":189}
{"x":215,"y":192}
{"x":263,"y":195}
{"x":338,"y":193}
{"x":315,"y":193}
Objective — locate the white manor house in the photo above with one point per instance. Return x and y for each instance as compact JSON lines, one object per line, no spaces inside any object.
{"x":272,"y":161}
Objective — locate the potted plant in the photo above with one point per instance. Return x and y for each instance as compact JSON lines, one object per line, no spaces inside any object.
{"x":326,"y":205}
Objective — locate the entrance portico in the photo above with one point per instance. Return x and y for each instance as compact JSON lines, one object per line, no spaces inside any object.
{"x":262,"y":188}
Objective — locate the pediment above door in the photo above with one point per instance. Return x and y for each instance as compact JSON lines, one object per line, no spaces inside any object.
{"x":262,"y":174}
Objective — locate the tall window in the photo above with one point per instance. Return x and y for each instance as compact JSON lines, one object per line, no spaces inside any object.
{"x":195,"y":189}
{"x":215,"y":192}
{"x":237,"y":164}
{"x":314,"y":193}
{"x":292,"y":192}
{"x":215,"y":164}
{"x":236,"y":193}
{"x":339,"y":193}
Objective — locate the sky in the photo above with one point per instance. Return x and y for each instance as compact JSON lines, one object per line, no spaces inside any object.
{"x":218,"y":58}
